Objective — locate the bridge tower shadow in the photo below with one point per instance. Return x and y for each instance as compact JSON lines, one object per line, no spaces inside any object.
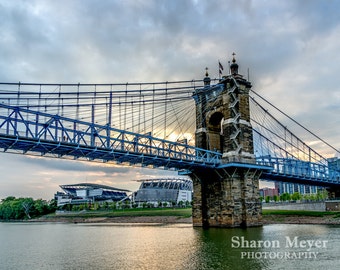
{"x":226,"y":196}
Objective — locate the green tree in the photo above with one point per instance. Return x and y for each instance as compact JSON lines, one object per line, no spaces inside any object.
{"x":322,"y":195}
{"x":285,"y":197}
{"x":96,"y":206}
{"x":127,"y":204}
{"x":40,"y":207}
{"x":52,"y":206}
{"x":21,"y":208}
{"x":313,"y":197}
{"x":306,"y":197}
{"x":106,"y":205}
{"x":160,"y":204}
{"x":8,"y":199}
{"x":119,"y":205}
{"x":113,"y":205}
{"x":27,"y":205}
{"x":296,"y":196}
{"x":173,"y":204}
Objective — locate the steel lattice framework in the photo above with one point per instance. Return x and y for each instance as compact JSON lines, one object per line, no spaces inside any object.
{"x":134,"y":124}
{"x":52,"y":135}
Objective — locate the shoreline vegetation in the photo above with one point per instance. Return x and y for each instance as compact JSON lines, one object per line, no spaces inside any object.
{"x":29,"y":210}
{"x":183,"y":215}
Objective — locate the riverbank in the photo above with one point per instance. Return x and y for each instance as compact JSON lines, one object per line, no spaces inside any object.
{"x":170,"y":216}
{"x":270,"y":219}
{"x":293,"y":219}
{"x":121,"y":219}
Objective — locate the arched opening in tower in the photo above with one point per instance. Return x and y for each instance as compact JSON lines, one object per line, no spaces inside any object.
{"x":215,"y":132}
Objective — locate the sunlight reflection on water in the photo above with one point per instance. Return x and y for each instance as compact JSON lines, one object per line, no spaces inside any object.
{"x":154,"y":246}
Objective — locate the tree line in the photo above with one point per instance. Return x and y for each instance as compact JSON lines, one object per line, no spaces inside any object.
{"x":321,"y":195}
{"x":12,"y":208}
{"x":127,"y":204}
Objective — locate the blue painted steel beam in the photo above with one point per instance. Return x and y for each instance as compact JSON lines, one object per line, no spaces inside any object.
{"x":30,"y":131}
{"x":245,"y":165}
{"x":297,"y":171}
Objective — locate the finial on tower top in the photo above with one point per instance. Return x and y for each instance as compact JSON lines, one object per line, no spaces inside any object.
{"x":206,"y":80}
{"x":234,"y":66}
{"x":234,"y":60}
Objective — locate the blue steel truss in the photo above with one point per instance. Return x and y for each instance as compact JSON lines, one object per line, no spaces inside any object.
{"x":40,"y":133}
{"x":298,"y":171}
{"x":30,"y":131}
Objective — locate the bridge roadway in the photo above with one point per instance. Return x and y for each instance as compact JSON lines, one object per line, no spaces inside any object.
{"x":32,"y":132}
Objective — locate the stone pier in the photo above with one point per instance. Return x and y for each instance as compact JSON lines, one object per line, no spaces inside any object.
{"x":230,"y":201}
{"x":226,"y":196}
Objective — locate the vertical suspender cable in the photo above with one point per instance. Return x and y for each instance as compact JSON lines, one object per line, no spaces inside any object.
{"x":92,"y":124}
{"x":132,"y":116}
{"x":125,"y":104}
{"x":153,"y":108}
{"x":139,"y":108}
{"x":18,"y":98}
{"x":77,"y":105}
{"x":95,"y":96}
{"x":144,"y":115}
{"x":58,"y":107}
{"x":109,"y":121}
{"x":76,"y":126}
{"x":120,"y":113}
{"x":165,"y":108}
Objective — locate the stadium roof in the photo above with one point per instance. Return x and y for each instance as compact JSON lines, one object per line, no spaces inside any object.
{"x":166,"y":183}
{"x":92,"y":186}
{"x":165,"y":180}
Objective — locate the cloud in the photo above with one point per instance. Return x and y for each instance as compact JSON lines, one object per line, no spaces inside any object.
{"x":289,"y":47}
{"x":40,"y":177}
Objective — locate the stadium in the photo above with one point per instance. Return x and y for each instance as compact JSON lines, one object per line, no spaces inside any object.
{"x":170,"y":190}
{"x":87,"y":192}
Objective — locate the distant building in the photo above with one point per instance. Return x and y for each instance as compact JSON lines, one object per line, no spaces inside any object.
{"x":87,"y":192}
{"x":164,"y":190}
{"x":291,"y":188}
{"x":264,"y":192}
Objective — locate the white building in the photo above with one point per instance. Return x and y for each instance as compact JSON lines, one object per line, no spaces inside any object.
{"x":87,"y":192}
{"x":164,"y":190}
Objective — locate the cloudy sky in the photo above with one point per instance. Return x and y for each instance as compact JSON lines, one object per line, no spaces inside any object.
{"x":290,"y":47}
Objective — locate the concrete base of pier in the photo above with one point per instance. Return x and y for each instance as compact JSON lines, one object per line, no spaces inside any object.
{"x":226,"y":198}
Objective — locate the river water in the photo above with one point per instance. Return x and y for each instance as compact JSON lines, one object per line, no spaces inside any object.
{"x":178,"y":246}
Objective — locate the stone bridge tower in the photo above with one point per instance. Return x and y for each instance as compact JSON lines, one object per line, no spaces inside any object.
{"x":227,"y":196}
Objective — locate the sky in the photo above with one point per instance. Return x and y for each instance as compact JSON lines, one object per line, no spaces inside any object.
{"x":291,"y":49}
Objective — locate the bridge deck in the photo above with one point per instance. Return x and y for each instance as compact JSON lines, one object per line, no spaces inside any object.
{"x":31,"y":132}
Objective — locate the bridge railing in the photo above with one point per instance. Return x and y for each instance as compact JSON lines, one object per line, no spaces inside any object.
{"x":39,"y":128}
{"x":300,"y":169}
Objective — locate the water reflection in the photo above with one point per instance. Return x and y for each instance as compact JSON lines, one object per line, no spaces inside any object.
{"x":216,"y":251}
{"x":151,"y":247}
{"x":137,"y":246}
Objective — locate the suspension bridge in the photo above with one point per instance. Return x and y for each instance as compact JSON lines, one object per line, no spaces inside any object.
{"x":147,"y":124}
{"x":155,"y":125}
